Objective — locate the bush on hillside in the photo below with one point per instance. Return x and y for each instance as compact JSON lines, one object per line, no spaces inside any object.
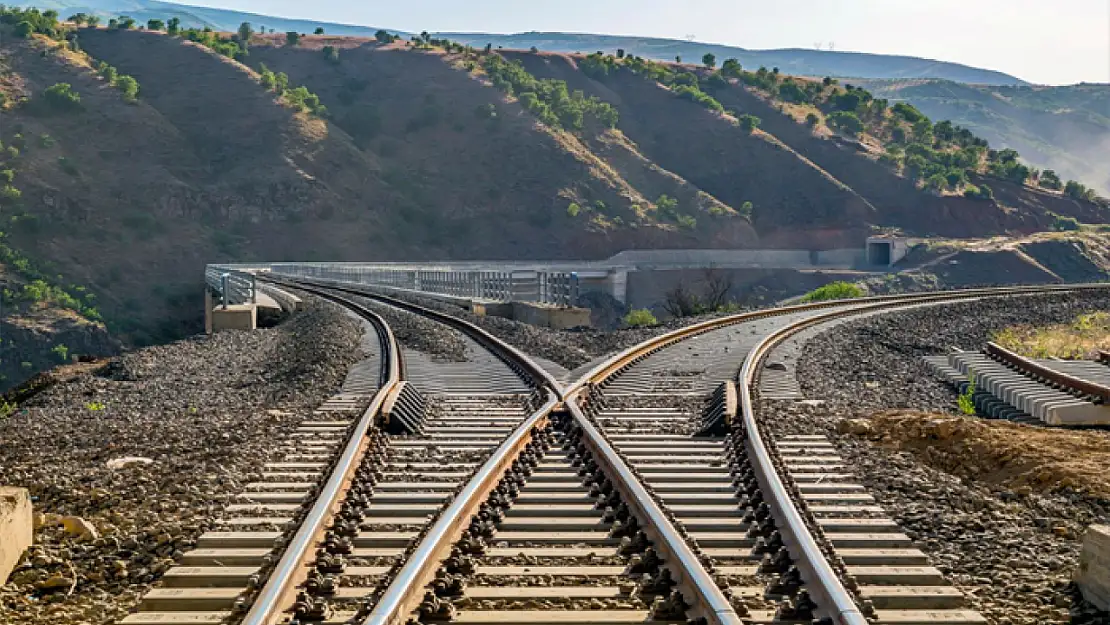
{"x":549,"y":100}
{"x":24,"y":29}
{"x":129,"y":87}
{"x":641,"y":318}
{"x":695,"y":94}
{"x":62,"y":97}
{"x":848,"y":123}
{"x":384,"y":36}
{"x":319,"y":30}
{"x":709,"y":60}
{"x":1079,"y":191}
{"x":834,"y":291}
{"x":292,"y":38}
{"x":331,"y":54}
{"x":173,"y":26}
{"x":1050,"y":180}
{"x":1061,"y":223}
{"x":153,"y":24}
{"x":749,"y":123}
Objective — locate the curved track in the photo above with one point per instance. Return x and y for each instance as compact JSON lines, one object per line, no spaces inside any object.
{"x":618,"y":499}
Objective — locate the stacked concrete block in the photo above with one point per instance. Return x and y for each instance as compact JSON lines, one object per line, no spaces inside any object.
{"x":1093,"y":576}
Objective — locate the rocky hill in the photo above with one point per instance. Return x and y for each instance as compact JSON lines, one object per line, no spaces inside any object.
{"x":1066,"y":129}
{"x":130,"y":159}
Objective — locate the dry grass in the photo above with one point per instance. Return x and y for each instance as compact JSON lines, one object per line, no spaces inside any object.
{"x":1082,"y":338}
{"x":1020,"y":457}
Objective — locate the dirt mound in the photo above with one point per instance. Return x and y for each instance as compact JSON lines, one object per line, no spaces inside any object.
{"x":1020,"y":457}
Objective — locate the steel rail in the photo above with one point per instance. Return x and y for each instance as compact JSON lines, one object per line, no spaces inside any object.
{"x":279,"y":591}
{"x":708,"y":600}
{"x":540,"y":376}
{"x":607,"y":369}
{"x":821,"y":579}
{"x":406,"y":590}
{"x":1035,"y":369}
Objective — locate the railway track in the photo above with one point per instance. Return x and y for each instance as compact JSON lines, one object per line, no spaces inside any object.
{"x":622,"y":498}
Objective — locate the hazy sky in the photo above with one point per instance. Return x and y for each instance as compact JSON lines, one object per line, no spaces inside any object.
{"x":1044,"y":41}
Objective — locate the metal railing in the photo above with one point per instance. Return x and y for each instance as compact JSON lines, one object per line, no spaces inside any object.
{"x":233,"y":286}
{"x":555,"y":288}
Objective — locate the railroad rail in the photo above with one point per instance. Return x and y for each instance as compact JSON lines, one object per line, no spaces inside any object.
{"x":1046,"y":375}
{"x":607,"y":501}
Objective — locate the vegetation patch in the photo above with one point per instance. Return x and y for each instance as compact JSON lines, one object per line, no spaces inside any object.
{"x":1083,"y":338}
{"x":549,"y":100}
{"x":641,"y":318}
{"x":834,"y":291}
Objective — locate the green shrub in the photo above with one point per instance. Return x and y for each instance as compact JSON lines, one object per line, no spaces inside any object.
{"x":966,"y":400}
{"x":24,"y":29}
{"x":128,"y":86}
{"x":834,"y":291}
{"x":641,"y":318}
{"x":62,"y":97}
{"x":61,"y":351}
{"x":10,"y":194}
{"x":749,"y":123}
{"x":573,"y":209}
{"x":687,"y":222}
{"x":694,"y":94}
{"x":549,"y":100}
{"x":292,"y":38}
{"x":331,"y":54}
{"x":1061,"y":223}
{"x":107,"y":72}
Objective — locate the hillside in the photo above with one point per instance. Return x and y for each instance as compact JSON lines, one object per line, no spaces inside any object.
{"x":792,"y":61}
{"x":130,"y":159}
{"x":1066,"y":129}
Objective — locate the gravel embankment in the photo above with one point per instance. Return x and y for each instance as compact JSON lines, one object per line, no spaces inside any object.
{"x":203,"y":410}
{"x":1012,"y":550}
{"x":420,"y":334}
{"x":569,"y":348}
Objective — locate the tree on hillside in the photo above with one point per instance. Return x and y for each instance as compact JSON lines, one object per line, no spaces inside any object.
{"x":292,"y":38}
{"x":245,"y":31}
{"x":749,"y":123}
{"x":383,"y":36}
{"x":125,"y":22}
{"x":678,"y":59}
{"x":812,"y":120}
{"x":92,"y":21}
{"x":731,"y":68}
{"x":113,"y":24}
{"x":319,"y":30}
{"x":173,"y":26}
{"x":77,"y":18}
{"x":709,"y":60}
{"x":153,"y":24}
{"x":848,"y":123}
{"x":1079,"y":191}
{"x":1051,"y":180}
{"x":331,"y":54}
{"x":24,"y":29}
{"x":620,"y":53}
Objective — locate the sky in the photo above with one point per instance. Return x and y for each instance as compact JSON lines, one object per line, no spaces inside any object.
{"x":1041,"y":41}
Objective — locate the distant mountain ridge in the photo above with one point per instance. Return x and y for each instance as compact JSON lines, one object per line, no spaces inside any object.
{"x":790,"y":61}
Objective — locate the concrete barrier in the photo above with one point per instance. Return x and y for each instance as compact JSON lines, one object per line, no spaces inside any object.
{"x":554,"y":317}
{"x":1093,"y":576}
{"x":15,"y":528}
{"x":237,"y":317}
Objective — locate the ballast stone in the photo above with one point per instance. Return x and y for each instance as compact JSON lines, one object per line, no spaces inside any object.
{"x":15,"y":528}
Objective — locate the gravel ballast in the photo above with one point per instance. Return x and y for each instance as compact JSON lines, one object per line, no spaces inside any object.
{"x":204,"y":412}
{"x":1013,"y":551}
